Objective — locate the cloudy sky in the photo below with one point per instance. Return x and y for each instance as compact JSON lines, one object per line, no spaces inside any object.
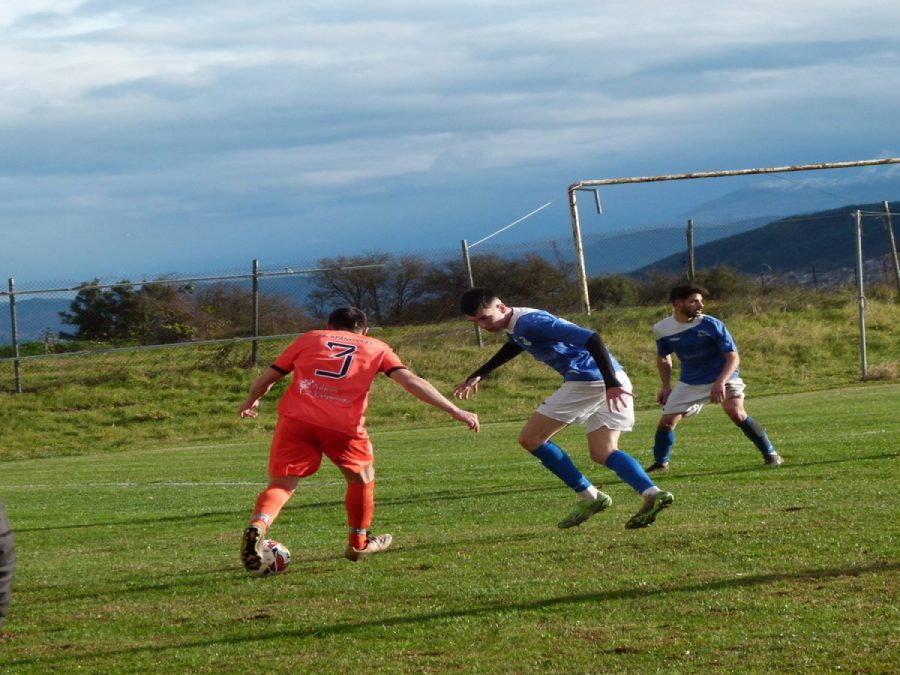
{"x":142,"y":137}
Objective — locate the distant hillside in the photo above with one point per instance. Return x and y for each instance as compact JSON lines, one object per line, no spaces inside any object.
{"x":782,"y":197}
{"x":823,"y":241}
{"x":34,"y":317}
{"x":621,"y":252}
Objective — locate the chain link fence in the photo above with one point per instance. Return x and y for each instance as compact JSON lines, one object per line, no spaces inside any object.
{"x":60,"y":332}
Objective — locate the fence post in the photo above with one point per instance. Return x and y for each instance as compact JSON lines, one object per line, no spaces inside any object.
{"x":14,"y":334}
{"x":254,"y":347}
{"x":467,"y":264}
{"x":690,"y":250}
{"x":864,"y":365}
{"x":890,"y":228}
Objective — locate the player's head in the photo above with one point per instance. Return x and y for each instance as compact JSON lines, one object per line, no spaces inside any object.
{"x":688,"y":300}
{"x":348,"y":318}
{"x":685,"y":291}
{"x":483,"y":307}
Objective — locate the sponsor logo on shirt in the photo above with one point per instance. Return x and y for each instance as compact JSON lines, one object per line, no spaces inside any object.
{"x":320,"y":391}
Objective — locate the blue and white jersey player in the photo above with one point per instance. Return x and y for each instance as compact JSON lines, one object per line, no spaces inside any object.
{"x":709,"y":373}
{"x":595,"y":392}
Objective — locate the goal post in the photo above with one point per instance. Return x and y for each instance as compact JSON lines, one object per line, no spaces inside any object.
{"x":594,"y":185}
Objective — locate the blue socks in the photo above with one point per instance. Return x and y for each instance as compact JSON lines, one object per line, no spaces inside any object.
{"x":627,"y":468}
{"x":754,"y":431}
{"x":561,"y":465}
{"x":662,"y":445}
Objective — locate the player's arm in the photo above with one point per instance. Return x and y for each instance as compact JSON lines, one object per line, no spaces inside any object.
{"x":615,"y":392}
{"x":506,"y":353}
{"x":260,"y":387}
{"x":732,"y":361}
{"x":598,"y":350}
{"x":665,"y":369}
{"x":423,"y":390}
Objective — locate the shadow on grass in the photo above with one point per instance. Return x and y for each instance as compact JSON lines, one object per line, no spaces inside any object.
{"x":344,"y":628}
{"x":313,"y":565}
{"x":297,"y":503}
{"x":788,"y":466}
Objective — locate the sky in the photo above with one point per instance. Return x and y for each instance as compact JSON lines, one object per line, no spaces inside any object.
{"x":149,"y":137}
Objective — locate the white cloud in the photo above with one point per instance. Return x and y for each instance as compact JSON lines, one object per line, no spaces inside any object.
{"x":169,"y":108}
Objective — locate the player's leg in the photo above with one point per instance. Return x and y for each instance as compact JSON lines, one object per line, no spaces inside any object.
{"x":734,"y":408}
{"x":271,"y":501}
{"x":685,"y":400}
{"x":664,"y":441}
{"x":603,"y":444}
{"x":293,"y":455}
{"x":535,"y":438}
{"x":354,"y":457}
{"x":268,"y":505}
{"x":7,"y":562}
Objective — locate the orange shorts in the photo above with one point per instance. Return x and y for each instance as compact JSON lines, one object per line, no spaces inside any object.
{"x":298,"y":446}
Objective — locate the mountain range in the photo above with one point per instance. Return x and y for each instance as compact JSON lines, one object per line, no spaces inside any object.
{"x":820,"y":242}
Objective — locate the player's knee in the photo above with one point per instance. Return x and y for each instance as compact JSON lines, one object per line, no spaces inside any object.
{"x":530,"y":442}
{"x":734,"y":408}
{"x":363,"y":475}
{"x":600,"y":455}
{"x":667,"y":424}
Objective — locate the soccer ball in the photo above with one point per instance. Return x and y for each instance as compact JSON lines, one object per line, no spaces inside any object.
{"x":275,"y":558}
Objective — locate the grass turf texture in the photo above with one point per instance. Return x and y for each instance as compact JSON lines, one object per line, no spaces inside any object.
{"x":128,"y":561}
{"x":187,"y":395}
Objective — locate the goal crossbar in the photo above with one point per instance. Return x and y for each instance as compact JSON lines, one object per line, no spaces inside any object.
{"x":594,"y":184}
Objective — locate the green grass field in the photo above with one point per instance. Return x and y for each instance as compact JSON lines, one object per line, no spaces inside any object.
{"x":187,"y":395}
{"x":128,"y":560}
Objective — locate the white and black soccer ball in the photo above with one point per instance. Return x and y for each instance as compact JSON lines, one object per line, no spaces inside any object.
{"x":275,"y":558}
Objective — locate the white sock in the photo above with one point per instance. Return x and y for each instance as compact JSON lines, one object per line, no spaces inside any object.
{"x":650,"y":491}
{"x":588,"y":494}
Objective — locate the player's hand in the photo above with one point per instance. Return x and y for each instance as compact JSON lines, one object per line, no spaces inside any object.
{"x":616,"y":398}
{"x":467,"y":418}
{"x":249,"y":408}
{"x":663,"y":395}
{"x":467,"y":388}
{"x":717,"y":392}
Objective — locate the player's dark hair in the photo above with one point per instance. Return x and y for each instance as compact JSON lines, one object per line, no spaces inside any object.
{"x":347,"y":318}
{"x":476,"y":298}
{"x":683,"y":292}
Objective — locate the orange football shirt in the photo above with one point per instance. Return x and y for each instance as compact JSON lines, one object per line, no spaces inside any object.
{"x":333,"y":371}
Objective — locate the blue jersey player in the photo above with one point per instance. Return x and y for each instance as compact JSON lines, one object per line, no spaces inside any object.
{"x":709,"y":373}
{"x":595,"y":391}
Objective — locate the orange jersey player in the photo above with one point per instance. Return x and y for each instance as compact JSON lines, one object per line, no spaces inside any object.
{"x":333,"y":372}
{"x":322,"y":413}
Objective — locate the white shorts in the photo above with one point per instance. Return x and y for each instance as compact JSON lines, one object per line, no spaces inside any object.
{"x":688,"y":399}
{"x":585,"y":403}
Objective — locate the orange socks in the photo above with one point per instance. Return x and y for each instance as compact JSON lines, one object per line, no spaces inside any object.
{"x":269,"y":504}
{"x":360,"y":504}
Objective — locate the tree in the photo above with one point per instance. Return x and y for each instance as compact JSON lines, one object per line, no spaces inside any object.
{"x":406,"y":287}
{"x":228,"y":310}
{"x":529,"y":281}
{"x":165,"y":313}
{"x":724,"y":282}
{"x":356,"y":281}
{"x":154,"y":313}
{"x":613,"y":291}
{"x":101,"y":314}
